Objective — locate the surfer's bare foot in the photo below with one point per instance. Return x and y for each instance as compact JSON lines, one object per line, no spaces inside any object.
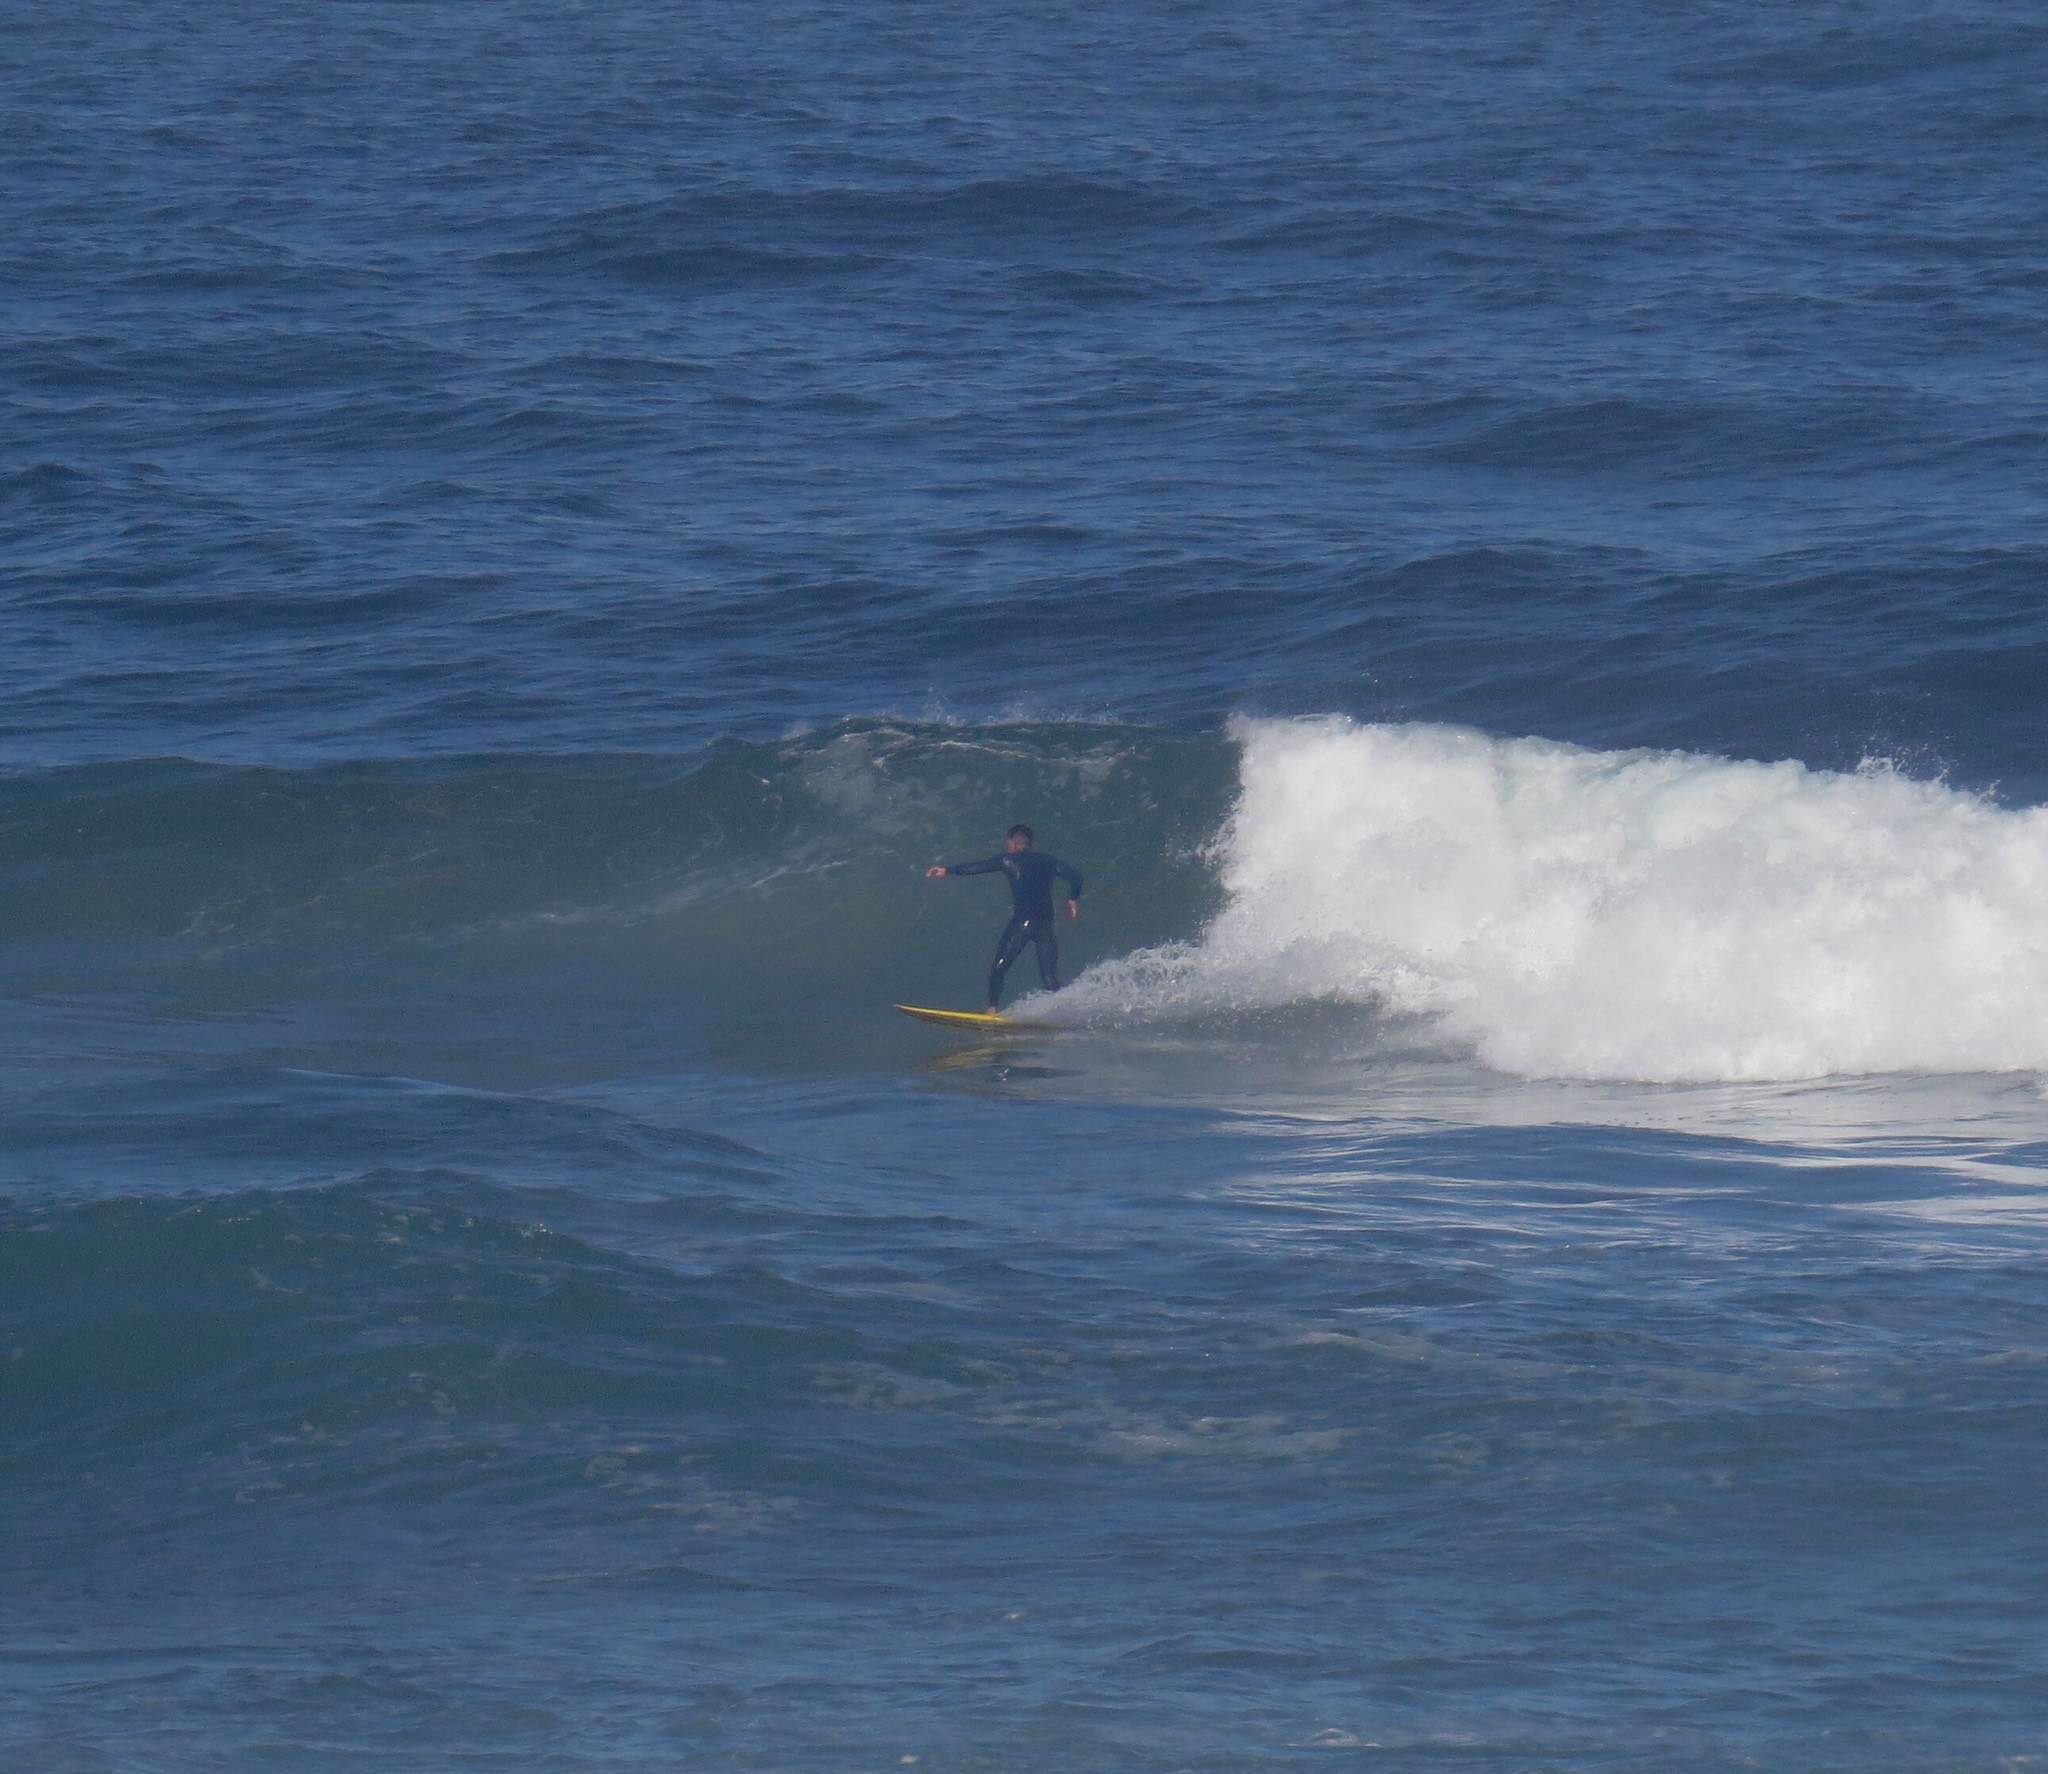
{"x":995,"y":1010}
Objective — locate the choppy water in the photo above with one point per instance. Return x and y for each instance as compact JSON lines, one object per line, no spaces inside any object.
{"x":1506,"y":541}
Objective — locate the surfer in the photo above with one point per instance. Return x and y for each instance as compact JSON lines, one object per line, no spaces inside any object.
{"x":1032,"y":873}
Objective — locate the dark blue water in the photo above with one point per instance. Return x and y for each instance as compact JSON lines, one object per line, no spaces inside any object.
{"x":1506,"y":542}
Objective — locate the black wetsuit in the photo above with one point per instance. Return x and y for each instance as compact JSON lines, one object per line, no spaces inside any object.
{"x":1032,"y":873}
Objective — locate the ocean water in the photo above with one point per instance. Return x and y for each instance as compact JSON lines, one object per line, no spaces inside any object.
{"x":1506,"y":540}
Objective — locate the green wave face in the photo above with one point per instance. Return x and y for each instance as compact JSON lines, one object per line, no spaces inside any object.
{"x":750,"y":879}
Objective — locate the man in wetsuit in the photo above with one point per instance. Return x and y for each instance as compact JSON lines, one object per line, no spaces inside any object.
{"x":1031,"y":873}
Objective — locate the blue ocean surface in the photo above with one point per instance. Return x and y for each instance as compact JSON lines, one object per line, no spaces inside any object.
{"x":1507,"y":541}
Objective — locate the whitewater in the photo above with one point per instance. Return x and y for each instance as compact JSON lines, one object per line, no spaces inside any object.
{"x":1662,"y":917}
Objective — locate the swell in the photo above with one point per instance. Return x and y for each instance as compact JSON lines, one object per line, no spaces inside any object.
{"x":428,"y":1337}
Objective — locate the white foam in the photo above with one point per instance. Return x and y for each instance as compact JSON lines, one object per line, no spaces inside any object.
{"x":1636,"y":915}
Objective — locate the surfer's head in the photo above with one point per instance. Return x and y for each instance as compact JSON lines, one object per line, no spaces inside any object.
{"x":1019,"y":838}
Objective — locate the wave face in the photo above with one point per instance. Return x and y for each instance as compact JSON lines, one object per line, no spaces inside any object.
{"x":584,"y":905}
{"x":1629,"y":915}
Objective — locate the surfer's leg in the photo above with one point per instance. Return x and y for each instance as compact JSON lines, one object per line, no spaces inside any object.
{"x":1048,"y":941}
{"x":1008,"y":948}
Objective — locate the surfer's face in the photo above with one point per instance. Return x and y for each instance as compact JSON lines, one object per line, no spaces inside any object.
{"x":1013,"y":845}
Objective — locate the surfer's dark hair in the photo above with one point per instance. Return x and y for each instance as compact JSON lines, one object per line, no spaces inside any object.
{"x":1021,"y":831}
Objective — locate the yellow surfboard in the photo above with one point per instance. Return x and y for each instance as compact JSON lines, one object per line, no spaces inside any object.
{"x":978,"y":1020}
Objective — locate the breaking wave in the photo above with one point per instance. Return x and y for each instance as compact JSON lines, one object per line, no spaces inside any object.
{"x":1632,"y":915}
{"x":1554,"y":911}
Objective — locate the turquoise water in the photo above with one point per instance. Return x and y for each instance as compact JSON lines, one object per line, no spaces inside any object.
{"x":1505,"y":542}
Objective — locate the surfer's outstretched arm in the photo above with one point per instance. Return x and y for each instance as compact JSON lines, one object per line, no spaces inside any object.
{"x":988,"y":866}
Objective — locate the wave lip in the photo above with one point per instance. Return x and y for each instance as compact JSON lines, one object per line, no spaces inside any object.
{"x":1653,"y":916}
